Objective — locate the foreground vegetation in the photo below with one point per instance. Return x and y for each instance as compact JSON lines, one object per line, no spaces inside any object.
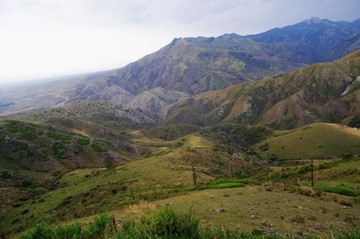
{"x":218,"y":167}
{"x":165,"y":223}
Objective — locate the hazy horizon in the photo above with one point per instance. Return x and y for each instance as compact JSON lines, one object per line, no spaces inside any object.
{"x":45,"y":39}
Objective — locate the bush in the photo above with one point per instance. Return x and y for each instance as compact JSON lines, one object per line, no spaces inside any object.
{"x":59,"y":136}
{"x":29,"y":136}
{"x":347,"y":156}
{"x":355,"y":122}
{"x":233,"y":183}
{"x":96,"y":148}
{"x":5,"y":175}
{"x":298,"y":219}
{"x":83,"y":141}
{"x":40,"y":231}
{"x":349,"y":235}
{"x":340,"y":189}
{"x":71,"y":231}
{"x":59,"y":150}
{"x":99,"y":229}
{"x":163,"y":224}
{"x":12,"y":126}
{"x":26,"y":183}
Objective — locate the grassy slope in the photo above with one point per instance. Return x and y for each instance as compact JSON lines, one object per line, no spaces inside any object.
{"x":272,"y":211}
{"x":272,"y":208}
{"x":166,"y":171}
{"x":283,"y":207}
{"x":164,"y":177}
{"x":314,"y":141}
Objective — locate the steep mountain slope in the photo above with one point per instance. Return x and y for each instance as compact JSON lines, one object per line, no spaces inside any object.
{"x":156,"y":101}
{"x":313,"y":37}
{"x":315,"y":93}
{"x":89,"y":116}
{"x":344,"y":48}
{"x":194,"y":65}
{"x":100,"y":90}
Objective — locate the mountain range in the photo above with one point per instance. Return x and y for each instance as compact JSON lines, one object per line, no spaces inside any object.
{"x":195,"y":65}
{"x":190,"y":66}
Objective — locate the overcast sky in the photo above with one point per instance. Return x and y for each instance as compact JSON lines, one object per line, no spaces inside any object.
{"x":45,"y":38}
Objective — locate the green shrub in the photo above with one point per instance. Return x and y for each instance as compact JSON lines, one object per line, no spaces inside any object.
{"x":40,"y":231}
{"x":5,"y":174}
{"x":58,"y":135}
{"x":100,"y":228}
{"x":347,"y":156}
{"x":71,"y":231}
{"x":233,"y":183}
{"x":12,"y":126}
{"x":96,"y":147}
{"x":83,"y":141}
{"x":26,"y":183}
{"x":298,"y":219}
{"x":355,"y":122}
{"x":340,"y":189}
{"x":163,"y":224}
{"x":349,"y":235}
{"x":59,"y":150}
{"x":29,"y":135}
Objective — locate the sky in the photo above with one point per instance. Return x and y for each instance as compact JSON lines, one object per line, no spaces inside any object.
{"x":48,"y":38}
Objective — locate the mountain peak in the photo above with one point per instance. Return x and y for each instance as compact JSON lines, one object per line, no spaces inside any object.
{"x":316,"y":20}
{"x":313,"y":20}
{"x":230,"y":35}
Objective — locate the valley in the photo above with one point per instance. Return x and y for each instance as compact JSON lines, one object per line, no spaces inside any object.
{"x":252,"y":186}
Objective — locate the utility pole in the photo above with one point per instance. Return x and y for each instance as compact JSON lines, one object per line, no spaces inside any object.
{"x":194,"y":174}
{"x":312,"y":173}
{"x":132,"y":192}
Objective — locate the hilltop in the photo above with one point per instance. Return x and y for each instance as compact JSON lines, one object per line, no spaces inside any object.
{"x":320,"y":141}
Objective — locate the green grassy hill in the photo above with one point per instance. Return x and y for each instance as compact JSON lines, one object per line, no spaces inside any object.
{"x":282,"y":208}
{"x":165,"y":170}
{"x":319,"y":140}
{"x":34,"y":156}
{"x":272,"y":198}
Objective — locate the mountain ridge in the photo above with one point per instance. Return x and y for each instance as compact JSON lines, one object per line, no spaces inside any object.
{"x":307,"y":95}
{"x":199,"y":64}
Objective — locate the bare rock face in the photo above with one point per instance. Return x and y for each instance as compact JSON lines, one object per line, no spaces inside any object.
{"x":156,"y":100}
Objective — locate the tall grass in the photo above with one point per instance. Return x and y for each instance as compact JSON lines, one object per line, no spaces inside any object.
{"x":164,"y":224}
{"x":100,"y":228}
{"x":349,"y":235}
